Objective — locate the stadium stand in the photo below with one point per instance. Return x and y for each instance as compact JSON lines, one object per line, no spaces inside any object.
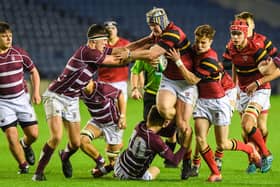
{"x":51,"y":30}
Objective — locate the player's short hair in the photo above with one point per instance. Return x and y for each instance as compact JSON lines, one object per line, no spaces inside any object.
{"x":154,"y":117}
{"x":4,"y":27}
{"x":205,"y":31}
{"x":96,"y":31}
{"x":158,"y":16}
{"x":244,"y":15}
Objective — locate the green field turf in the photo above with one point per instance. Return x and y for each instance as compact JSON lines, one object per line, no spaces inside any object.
{"x":234,"y":163}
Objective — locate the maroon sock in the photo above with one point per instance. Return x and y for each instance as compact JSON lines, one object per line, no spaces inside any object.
{"x":45,"y":158}
{"x":67,"y":153}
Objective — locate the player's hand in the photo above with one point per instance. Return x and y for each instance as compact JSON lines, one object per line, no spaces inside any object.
{"x":173,"y":54}
{"x":251,"y":88}
{"x":135,"y":94}
{"x":36,"y":99}
{"x":122,"y":122}
{"x":266,"y":67}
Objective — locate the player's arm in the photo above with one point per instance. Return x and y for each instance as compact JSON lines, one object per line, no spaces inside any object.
{"x":190,"y":77}
{"x":267,"y":67}
{"x":147,"y":54}
{"x":136,"y":81}
{"x":112,"y":60}
{"x":35,"y":82}
{"x":122,"y":110}
{"x":146,"y":41}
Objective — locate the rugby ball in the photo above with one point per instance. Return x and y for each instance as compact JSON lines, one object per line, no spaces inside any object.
{"x":162,"y":63}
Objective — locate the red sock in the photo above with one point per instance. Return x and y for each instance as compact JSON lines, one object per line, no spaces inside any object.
{"x":240,"y":146}
{"x":196,"y":160}
{"x":208,"y":156}
{"x":219,"y":154}
{"x":256,"y":136}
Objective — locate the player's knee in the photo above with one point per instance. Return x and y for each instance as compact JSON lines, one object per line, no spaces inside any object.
{"x":33,"y":136}
{"x":55,"y":140}
{"x":200,"y":141}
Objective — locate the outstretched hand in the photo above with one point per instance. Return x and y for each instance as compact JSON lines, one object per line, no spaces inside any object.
{"x":173,"y":54}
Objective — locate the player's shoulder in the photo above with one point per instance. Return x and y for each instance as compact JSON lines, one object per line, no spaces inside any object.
{"x":259,"y":36}
{"x":124,"y":40}
{"x":18,"y":50}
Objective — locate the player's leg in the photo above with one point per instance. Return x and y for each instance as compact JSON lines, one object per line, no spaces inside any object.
{"x":113,"y":137}
{"x":183,"y":115}
{"x":28,"y":122}
{"x":249,"y":124}
{"x":73,"y":130}
{"x":15,"y":147}
{"x":56,"y":131}
{"x":166,"y":101}
{"x":201,"y":131}
{"x":262,"y":124}
{"x":88,"y":134}
{"x":53,"y":109}
{"x":30,"y":136}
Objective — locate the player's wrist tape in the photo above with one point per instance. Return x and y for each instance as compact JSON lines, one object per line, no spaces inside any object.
{"x":129,"y":54}
{"x":122,"y":116}
{"x":258,"y":82}
{"x":179,"y":63}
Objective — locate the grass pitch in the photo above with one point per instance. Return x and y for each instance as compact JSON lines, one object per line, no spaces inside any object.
{"x":234,"y":163}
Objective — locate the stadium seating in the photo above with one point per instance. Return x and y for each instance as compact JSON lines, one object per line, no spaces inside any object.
{"x":51,"y":30}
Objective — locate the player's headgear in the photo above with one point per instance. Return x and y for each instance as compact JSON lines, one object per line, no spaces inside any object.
{"x":158,"y":16}
{"x":110,"y":23}
{"x":240,"y":25}
{"x":97,"y":32}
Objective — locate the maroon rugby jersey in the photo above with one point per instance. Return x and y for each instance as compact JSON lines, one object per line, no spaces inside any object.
{"x":78,"y":71}
{"x":114,"y":74}
{"x":246,"y":63}
{"x":174,"y":37}
{"x":208,"y":68}
{"x":143,"y":146}
{"x":102,"y":103}
{"x":13,"y":63}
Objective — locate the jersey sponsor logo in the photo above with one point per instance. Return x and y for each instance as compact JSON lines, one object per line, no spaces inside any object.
{"x":245,"y":58}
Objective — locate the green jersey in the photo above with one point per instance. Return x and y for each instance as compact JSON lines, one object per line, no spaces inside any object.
{"x":152,"y":77}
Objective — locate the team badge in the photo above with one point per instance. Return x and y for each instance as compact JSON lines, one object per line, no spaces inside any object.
{"x":245,"y":58}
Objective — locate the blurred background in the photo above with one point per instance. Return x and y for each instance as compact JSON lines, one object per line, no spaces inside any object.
{"x":51,"y":30}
